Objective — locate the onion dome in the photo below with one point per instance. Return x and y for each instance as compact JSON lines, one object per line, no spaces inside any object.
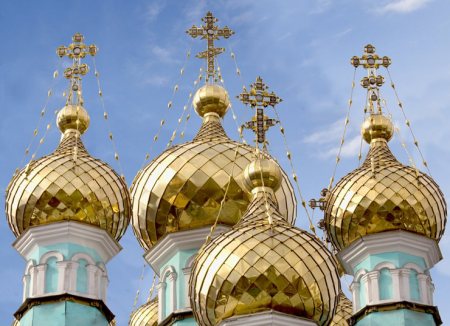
{"x":343,"y":312}
{"x":146,"y":315}
{"x":264,"y":263}
{"x":383,"y":194}
{"x":182,"y":188}
{"x":69,"y":184}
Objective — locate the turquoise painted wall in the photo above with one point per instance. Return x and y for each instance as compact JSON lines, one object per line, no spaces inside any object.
{"x":63,"y":314}
{"x":362,"y":293}
{"x":67,"y":249}
{"x":397,"y":258}
{"x":385,"y":285}
{"x":51,"y":276}
{"x":401,"y":317}
{"x":82,"y":276}
{"x":414,"y":286}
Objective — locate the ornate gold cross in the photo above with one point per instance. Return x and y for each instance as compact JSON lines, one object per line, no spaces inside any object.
{"x":259,"y":98}
{"x":76,"y":51}
{"x":210,"y":33}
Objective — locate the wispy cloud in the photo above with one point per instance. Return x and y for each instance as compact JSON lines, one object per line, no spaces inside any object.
{"x":154,"y":9}
{"x":339,"y":35}
{"x":321,"y":6}
{"x":404,"y":6}
{"x":164,"y":55}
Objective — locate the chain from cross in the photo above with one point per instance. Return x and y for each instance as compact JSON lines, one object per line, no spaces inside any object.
{"x":76,"y":51}
{"x":371,"y":61}
{"x":259,"y":99}
{"x":210,"y":32}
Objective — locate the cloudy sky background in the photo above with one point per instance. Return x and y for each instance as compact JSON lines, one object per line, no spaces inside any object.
{"x":301,"y":48}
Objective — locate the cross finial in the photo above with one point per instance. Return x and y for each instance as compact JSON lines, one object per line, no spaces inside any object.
{"x":259,"y":98}
{"x":76,"y":51}
{"x":371,"y":61}
{"x":210,"y":32}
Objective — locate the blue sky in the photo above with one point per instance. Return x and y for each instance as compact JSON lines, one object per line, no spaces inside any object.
{"x":301,"y":48}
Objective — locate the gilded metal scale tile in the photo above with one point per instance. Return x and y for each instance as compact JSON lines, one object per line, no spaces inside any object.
{"x":384,"y":195}
{"x":257,"y":266}
{"x":146,"y":315}
{"x":343,"y":312}
{"x":54,"y":189}
{"x":182,"y":188}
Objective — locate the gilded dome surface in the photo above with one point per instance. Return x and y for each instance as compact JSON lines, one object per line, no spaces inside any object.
{"x":54,"y":189}
{"x":377,"y":126}
{"x":182,"y":188}
{"x":256,"y":266}
{"x":384,"y":195}
{"x":343,"y":312}
{"x":73,"y":117}
{"x":146,"y":315}
{"x":211,"y":98}
{"x":262,"y":173}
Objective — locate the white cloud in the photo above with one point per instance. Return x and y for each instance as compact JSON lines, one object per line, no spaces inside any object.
{"x":154,"y":9}
{"x":405,"y":6}
{"x":339,"y":35}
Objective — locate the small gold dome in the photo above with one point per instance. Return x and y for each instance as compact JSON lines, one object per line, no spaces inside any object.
{"x":68,"y":117}
{"x":146,"y":315}
{"x":384,"y":195}
{"x":262,"y":173}
{"x":182,"y":188}
{"x":377,"y":126}
{"x":343,"y":312}
{"x":211,"y":98}
{"x":53,"y":189}
{"x":256,"y":266}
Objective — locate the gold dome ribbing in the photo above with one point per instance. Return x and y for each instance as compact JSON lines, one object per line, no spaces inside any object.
{"x":257,"y":266}
{"x":343,"y":312}
{"x":146,"y":315}
{"x":383,"y":195}
{"x":182,"y":188}
{"x":53,"y":189}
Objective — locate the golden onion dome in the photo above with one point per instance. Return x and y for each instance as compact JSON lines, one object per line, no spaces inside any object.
{"x":183,"y":187}
{"x":262,"y":173}
{"x":383,"y":195}
{"x":146,"y":315}
{"x":69,"y":184}
{"x":343,"y":312}
{"x":259,"y":266}
{"x":73,"y":117}
{"x":211,"y":98}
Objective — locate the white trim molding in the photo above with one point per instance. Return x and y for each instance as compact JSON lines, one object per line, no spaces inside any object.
{"x":401,"y":241}
{"x":67,"y":232}
{"x":172,"y":243}
{"x":266,"y":318}
{"x":187,"y":275}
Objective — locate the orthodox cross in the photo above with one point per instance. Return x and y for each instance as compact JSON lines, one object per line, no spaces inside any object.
{"x":210,"y":32}
{"x":259,"y":98}
{"x":371,"y":61}
{"x":76,"y":51}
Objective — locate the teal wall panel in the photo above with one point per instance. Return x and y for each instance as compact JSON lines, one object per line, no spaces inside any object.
{"x":385,"y":285}
{"x":51,"y":276}
{"x":401,"y":317}
{"x":82,"y":276}
{"x":414,"y":286}
{"x":67,"y":249}
{"x":399,"y":259}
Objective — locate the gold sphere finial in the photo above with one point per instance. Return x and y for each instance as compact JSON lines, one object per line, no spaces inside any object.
{"x":211,"y":98}
{"x":262,"y":173}
{"x":73,"y":117}
{"x":377,"y":126}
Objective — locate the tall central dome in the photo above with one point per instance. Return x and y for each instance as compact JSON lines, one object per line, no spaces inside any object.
{"x":183,"y":187}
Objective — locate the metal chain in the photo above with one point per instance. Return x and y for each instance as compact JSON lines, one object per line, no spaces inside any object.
{"x":407,"y":122}
{"x":152,"y":288}
{"x":107,"y":122}
{"x":338,"y":158}
{"x":235,"y":63}
{"x":360,"y":145}
{"x":138,"y":291}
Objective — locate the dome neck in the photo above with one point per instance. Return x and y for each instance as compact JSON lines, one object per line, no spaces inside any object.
{"x":211,"y":129}
{"x":379,"y":155}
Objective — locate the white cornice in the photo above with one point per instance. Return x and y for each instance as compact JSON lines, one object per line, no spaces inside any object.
{"x":269,"y":318}
{"x":172,"y":243}
{"x":373,"y":244}
{"x":64,"y":232}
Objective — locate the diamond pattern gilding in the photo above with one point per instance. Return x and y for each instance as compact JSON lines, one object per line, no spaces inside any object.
{"x":254,"y":267}
{"x":182,"y":188}
{"x":343,"y":312}
{"x":54,"y":190}
{"x":146,"y":315}
{"x":391,"y":199}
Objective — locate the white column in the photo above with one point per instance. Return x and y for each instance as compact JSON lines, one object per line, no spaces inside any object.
{"x":396,"y":284}
{"x":405,"y":293}
{"x":40,"y":279}
{"x":63,"y":282}
{"x":366,"y":280}
{"x":93,"y":280}
{"x":161,"y":288}
{"x":73,"y":270}
{"x":355,"y":288}
{"x":33,"y":281}
{"x":423,"y":288}
{"x":374,"y":289}
{"x":173,"y":291}
{"x":25,"y":284}
{"x":431,"y":292}
{"x":187,"y":274}
{"x":104,"y":290}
